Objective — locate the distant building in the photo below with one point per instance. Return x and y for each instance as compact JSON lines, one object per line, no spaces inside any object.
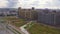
{"x":51,"y":18}
{"x":27,"y":13}
{"x":6,"y":13}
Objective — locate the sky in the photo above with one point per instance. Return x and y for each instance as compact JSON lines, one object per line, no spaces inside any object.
{"x":52,"y":4}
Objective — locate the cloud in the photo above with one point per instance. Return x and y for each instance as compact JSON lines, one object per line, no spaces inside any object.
{"x":3,"y":3}
{"x":12,"y":3}
{"x":40,"y":3}
{"x":30,"y":3}
{"x":8,"y":3}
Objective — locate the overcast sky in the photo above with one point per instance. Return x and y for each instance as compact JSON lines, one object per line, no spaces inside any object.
{"x":30,"y":3}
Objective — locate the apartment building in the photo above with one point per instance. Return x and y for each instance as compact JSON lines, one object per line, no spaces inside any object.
{"x":30,"y":14}
{"x":47,"y":17}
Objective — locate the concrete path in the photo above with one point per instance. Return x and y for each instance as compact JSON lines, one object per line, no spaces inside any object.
{"x":23,"y":29}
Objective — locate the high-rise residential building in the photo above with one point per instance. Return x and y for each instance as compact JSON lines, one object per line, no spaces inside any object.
{"x":51,"y":18}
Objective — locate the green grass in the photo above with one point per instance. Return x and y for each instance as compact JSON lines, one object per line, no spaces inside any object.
{"x":15,"y":21}
{"x":41,"y":29}
{"x":18,"y":22}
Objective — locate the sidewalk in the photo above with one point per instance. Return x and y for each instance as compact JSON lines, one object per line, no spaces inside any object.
{"x":23,"y":29}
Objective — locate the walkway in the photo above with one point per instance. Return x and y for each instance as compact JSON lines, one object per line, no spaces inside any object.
{"x":23,"y":29}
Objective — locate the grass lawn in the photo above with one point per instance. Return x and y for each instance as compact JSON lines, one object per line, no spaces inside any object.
{"x":41,"y":29}
{"x":14,"y":21}
{"x":17,"y":21}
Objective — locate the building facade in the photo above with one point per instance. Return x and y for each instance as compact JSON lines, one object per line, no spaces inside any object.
{"x":29,"y":14}
{"x":50,"y":18}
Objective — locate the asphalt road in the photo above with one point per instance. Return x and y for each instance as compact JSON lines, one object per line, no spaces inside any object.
{"x":4,"y":30}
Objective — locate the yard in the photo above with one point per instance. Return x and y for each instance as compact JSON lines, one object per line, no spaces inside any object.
{"x":19,"y":22}
{"x":14,"y":21}
{"x":41,"y":29}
